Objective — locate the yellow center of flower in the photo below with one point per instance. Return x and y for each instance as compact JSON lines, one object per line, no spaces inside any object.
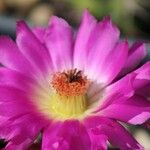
{"x":69,"y":100}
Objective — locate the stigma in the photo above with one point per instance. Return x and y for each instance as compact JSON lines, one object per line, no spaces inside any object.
{"x":69,"y":96}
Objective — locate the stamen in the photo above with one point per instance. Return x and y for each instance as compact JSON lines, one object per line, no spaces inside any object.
{"x":69,"y":97}
{"x":70,"y":83}
{"x":68,"y":107}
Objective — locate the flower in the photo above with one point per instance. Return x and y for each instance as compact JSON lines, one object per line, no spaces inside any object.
{"x":73,"y":90}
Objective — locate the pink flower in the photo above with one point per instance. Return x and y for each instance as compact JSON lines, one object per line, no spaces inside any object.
{"x":72,"y":89}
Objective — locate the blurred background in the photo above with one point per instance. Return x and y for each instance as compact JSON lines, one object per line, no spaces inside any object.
{"x":131,"y":16}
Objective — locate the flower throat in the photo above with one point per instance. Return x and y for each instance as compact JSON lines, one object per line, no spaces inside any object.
{"x":69,"y":96}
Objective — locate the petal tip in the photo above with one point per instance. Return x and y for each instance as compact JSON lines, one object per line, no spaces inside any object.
{"x":108,"y":23}
{"x":87,"y":16}
{"x":125,"y":44}
{"x":57,"y":21}
{"x":140,"y":47}
{"x":21,"y":26}
{"x":20,"y":23}
{"x":86,"y":12}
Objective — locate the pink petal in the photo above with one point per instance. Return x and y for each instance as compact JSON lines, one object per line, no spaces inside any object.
{"x":87,"y":26}
{"x":98,"y":141}
{"x":143,"y":89}
{"x":142,"y":82}
{"x":66,"y":135}
{"x":124,"y":99}
{"x":21,"y":146}
{"x":59,"y":41}
{"x":116,"y":134}
{"x":14,"y":102}
{"x":15,"y":79}
{"x":22,"y":131}
{"x":12,"y":58}
{"x":95,"y":48}
{"x":135,"y":110}
{"x":39,"y":33}
{"x":33,"y":50}
{"x":143,"y":73}
{"x":122,"y":89}
{"x":102,"y":40}
{"x":112,"y":64}
{"x":136,"y":54}
{"x":51,"y":139}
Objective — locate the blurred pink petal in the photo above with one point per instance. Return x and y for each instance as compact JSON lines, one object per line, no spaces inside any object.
{"x":136,"y":54}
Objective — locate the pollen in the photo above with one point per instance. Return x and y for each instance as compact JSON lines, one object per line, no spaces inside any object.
{"x":70,"y":83}
{"x":68,"y":99}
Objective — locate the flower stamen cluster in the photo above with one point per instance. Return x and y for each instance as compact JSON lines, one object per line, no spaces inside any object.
{"x":70,"y":83}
